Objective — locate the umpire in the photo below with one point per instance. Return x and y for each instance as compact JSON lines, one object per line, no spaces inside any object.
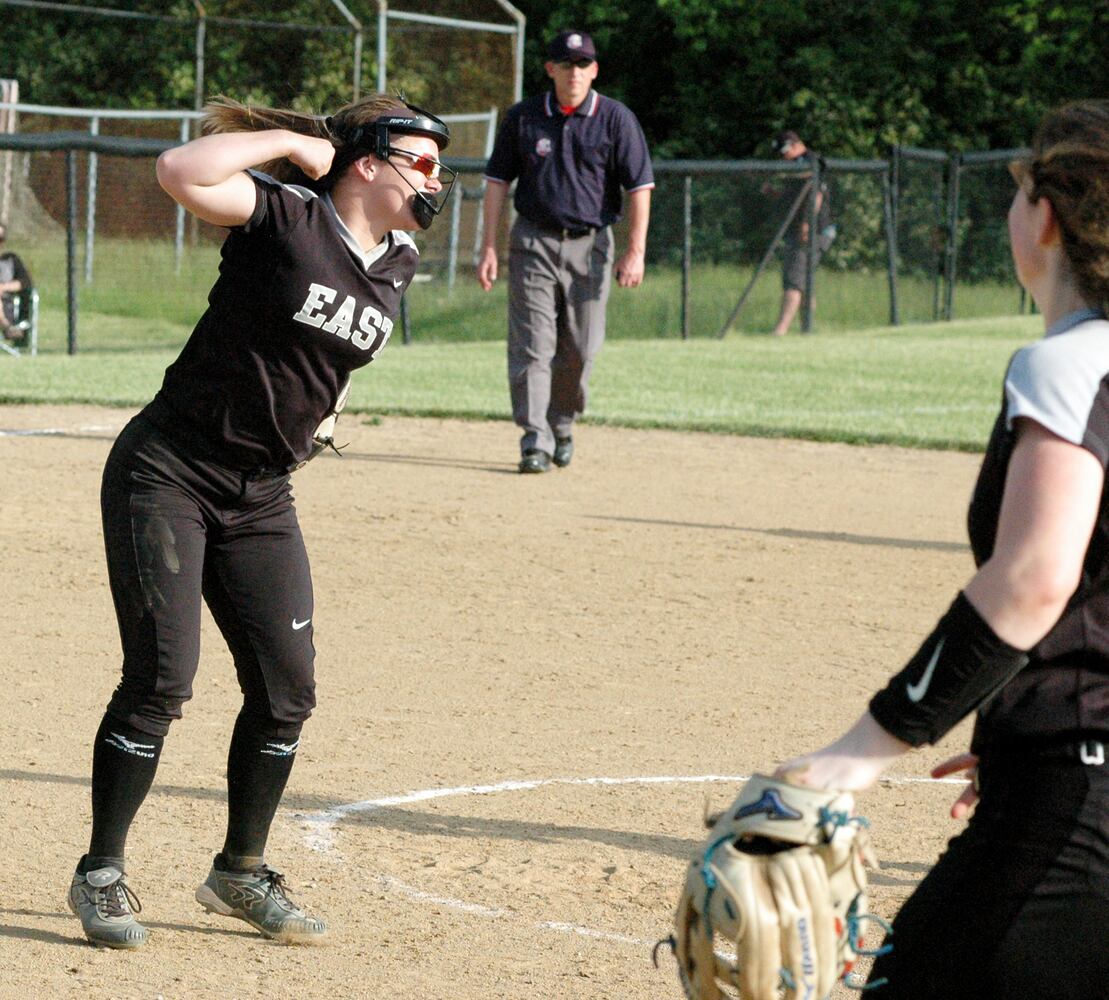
{"x":571,"y":151}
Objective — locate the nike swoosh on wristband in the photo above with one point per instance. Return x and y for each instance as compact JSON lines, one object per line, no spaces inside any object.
{"x":297,"y":626}
{"x":920,"y":688}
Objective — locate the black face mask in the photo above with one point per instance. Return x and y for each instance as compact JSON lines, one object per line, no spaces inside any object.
{"x":377,"y":139}
{"x":425,"y":206}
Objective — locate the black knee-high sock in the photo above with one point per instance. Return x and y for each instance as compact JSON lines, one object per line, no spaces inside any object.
{"x":123,"y":764}
{"x":258,"y":766}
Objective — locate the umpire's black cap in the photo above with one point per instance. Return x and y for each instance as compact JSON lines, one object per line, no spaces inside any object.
{"x":570,"y":46}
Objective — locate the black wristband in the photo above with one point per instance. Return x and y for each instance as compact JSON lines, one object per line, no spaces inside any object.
{"x":961,"y":664}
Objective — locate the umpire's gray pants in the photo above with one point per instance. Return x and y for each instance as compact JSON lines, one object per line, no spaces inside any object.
{"x":557,"y":291}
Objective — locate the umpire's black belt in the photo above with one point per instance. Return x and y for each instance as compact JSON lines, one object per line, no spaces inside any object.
{"x":567,"y":233}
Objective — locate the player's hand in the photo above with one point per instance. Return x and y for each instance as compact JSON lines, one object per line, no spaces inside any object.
{"x":487,"y":268}
{"x":312,"y":155}
{"x":827,"y":769}
{"x":850,"y":764}
{"x":967,"y":763}
{"x":629,"y":269}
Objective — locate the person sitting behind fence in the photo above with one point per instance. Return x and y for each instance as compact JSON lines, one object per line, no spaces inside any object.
{"x":14,"y":278}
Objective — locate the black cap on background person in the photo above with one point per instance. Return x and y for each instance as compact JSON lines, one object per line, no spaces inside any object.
{"x":783,"y":140}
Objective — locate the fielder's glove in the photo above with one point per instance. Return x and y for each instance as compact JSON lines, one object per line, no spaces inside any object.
{"x":781,"y":882}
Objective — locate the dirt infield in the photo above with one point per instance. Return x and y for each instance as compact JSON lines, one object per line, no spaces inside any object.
{"x":517,"y":676}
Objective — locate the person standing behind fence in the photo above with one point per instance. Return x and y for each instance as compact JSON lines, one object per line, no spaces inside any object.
{"x":14,"y":278}
{"x":795,"y":263}
{"x":1018,"y":905}
{"x":196,"y":498}
{"x":570,"y":150}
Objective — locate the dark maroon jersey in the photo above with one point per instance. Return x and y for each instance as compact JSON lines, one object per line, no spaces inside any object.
{"x":296,"y":308}
{"x":1061,"y":382}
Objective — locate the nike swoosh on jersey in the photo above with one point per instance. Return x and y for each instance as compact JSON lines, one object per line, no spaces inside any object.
{"x":398,"y":282}
{"x":297,"y":626}
{"x":920,"y":688}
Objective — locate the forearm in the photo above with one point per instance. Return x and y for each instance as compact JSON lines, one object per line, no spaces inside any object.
{"x":495,"y":195}
{"x":867,"y":740}
{"x":639,"y":215}
{"x":852,"y":762}
{"x":213,"y":159}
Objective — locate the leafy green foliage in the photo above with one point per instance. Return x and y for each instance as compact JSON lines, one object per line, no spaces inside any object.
{"x":708,"y":78}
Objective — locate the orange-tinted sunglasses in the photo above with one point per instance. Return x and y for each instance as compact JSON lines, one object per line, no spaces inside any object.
{"x":420,"y":161}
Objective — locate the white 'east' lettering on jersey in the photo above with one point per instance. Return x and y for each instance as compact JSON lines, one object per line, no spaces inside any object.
{"x":317,"y":296}
{"x":341,"y":323}
{"x":369,"y":323}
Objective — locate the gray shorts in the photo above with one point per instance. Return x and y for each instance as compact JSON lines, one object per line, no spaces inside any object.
{"x":794,"y":265}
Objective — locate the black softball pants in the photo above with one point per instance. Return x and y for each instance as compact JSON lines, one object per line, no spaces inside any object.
{"x":1018,"y":905}
{"x":179,"y":529}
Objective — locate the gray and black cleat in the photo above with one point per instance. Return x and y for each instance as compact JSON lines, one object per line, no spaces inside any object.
{"x":259,"y":897}
{"x":106,"y":907}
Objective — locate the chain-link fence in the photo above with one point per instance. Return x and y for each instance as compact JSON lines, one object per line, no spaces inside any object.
{"x":916,"y":238}
{"x":920,"y":217}
{"x":978,"y":235}
{"x":122,"y":212}
{"x":725,"y":226}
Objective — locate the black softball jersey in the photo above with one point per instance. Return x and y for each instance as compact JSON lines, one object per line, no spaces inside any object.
{"x":1061,"y":382}
{"x":297,"y":307}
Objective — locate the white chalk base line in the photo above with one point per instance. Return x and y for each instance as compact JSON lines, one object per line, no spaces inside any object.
{"x":320,"y":835}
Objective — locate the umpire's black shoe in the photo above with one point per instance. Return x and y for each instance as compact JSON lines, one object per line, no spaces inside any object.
{"x":564,"y":451}
{"x":535,"y":460}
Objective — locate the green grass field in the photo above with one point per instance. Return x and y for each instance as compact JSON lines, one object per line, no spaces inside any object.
{"x":854,"y":380}
{"x":935,"y":385}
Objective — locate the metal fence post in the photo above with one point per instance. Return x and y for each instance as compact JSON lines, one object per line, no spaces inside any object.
{"x":687,"y":250}
{"x":951,"y":246}
{"x":71,"y":246}
{"x":939,"y":267}
{"x":179,"y":227}
{"x":810,"y":262}
{"x":452,"y":239}
{"x":90,"y":203}
{"x":891,"y":248}
{"x":895,"y":184}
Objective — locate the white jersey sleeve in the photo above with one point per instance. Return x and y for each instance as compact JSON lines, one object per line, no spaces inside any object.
{"x":1060,"y":382}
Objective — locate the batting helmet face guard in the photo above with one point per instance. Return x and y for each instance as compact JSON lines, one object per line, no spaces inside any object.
{"x":415,"y":122}
{"x":377,"y":138}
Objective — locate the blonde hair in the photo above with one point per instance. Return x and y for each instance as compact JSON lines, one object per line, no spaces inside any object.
{"x":1070,"y":167}
{"x":345,"y":129}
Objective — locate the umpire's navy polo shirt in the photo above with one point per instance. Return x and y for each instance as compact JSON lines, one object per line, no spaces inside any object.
{"x":570,"y":168}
